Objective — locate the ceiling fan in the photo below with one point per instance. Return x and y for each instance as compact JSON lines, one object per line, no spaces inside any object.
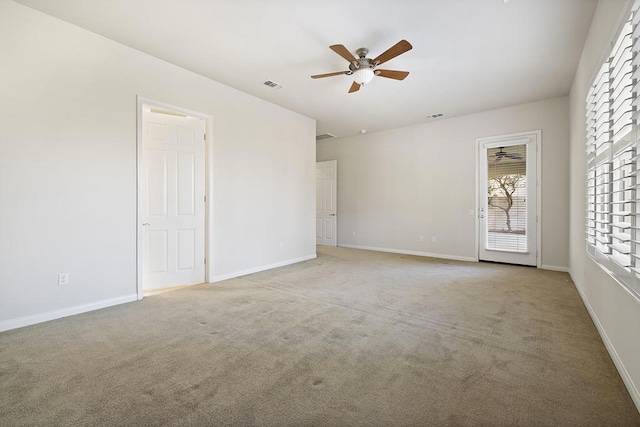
{"x":501,"y":154}
{"x":363,"y":69}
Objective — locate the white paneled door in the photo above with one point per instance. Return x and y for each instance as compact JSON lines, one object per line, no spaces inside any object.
{"x":326,"y":203}
{"x":173,"y":200}
{"x":508,"y":198}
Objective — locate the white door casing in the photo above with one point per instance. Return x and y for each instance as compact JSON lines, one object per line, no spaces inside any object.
{"x":173,"y":204}
{"x":488,"y":240}
{"x":326,"y":203}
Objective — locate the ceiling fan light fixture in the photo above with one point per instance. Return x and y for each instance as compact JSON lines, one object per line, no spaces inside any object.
{"x":363,"y":75}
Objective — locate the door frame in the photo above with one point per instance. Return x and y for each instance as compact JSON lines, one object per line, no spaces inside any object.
{"x":537,"y":134}
{"x":141,"y":102}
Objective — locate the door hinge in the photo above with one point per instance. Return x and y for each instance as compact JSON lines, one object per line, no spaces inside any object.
{"x":205,"y":199}
{"x":205,"y":260}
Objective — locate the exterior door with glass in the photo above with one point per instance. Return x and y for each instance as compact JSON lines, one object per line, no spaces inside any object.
{"x":508,"y":198}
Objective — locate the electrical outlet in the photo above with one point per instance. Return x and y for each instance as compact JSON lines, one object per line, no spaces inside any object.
{"x":471,"y":212}
{"x":353,"y":233}
{"x":433,"y":239}
{"x":281,"y":245}
{"x":63,"y":279}
{"x":422,"y":238}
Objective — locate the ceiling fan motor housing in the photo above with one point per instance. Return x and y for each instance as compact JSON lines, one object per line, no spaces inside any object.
{"x":361,"y":62}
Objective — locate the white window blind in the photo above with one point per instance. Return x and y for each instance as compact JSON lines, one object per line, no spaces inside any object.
{"x":507,"y":198}
{"x":613,"y":162}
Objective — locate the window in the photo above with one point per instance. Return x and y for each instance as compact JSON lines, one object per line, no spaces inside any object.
{"x":507,"y":198}
{"x":613,"y":159}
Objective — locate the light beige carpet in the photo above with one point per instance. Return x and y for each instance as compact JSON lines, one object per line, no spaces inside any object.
{"x":351,"y":338}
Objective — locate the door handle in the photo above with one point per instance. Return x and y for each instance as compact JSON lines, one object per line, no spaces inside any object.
{"x":146,"y":223}
{"x":332,"y":214}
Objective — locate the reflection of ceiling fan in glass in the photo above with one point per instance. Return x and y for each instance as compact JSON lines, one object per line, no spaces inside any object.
{"x":501,"y":154}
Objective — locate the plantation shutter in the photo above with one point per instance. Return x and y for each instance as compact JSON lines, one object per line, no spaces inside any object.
{"x":612,"y":110}
{"x":634,"y":162}
{"x":598,"y":164}
{"x":623,"y":149}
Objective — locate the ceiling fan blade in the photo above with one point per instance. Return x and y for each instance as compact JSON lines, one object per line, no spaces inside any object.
{"x":337,"y":73}
{"x":344,"y":52}
{"x":392,"y":74}
{"x":398,"y":49}
{"x":354,"y":87}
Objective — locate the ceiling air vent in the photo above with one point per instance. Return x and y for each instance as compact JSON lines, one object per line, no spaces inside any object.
{"x":324,"y":136}
{"x":272,"y":84}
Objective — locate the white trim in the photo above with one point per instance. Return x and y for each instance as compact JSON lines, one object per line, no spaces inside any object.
{"x":624,"y":374}
{"x":555,"y":268}
{"x":21,"y":322}
{"x":208,"y":186}
{"x":416,"y":253}
{"x":476,"y":225}
{"x":539,"y":196}
{"x":261,"y":268}
{"x":495,"y":140}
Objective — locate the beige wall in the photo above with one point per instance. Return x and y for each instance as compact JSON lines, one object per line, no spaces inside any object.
{"x":615,"y":311}
{"x":397,"y":185}
{"x":68,"y":169}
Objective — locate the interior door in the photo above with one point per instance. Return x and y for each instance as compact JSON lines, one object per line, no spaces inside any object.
{"x":173,"y":200}
{"x":508,"y":199}
{"x":326,"y":203}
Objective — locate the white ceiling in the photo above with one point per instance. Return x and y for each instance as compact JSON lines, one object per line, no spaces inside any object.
{"x":467,"y":56}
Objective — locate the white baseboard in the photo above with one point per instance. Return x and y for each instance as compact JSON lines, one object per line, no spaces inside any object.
{"x":233,"y":275}
{"x":624,"y":374}
{"x":400,"y":251}
{"x":554,"y":268}
{"x":20,"y":322}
